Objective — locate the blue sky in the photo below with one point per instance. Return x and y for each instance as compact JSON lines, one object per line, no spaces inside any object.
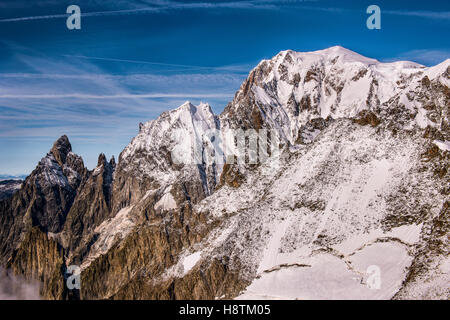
{"x":132,"y":60}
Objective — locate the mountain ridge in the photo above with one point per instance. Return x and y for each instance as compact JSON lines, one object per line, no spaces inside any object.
{"x":172,"y":219}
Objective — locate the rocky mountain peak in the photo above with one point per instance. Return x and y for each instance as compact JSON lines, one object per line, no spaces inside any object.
{"x":61,"y":149}
{"x":112,"y":162}
{"x":101,"y":160}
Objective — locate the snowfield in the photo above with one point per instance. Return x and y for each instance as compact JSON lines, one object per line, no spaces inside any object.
{"x":312,"y":229}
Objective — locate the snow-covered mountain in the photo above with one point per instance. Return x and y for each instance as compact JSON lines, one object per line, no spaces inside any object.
{"x":296,"y":87}
{"x":354,"y":205}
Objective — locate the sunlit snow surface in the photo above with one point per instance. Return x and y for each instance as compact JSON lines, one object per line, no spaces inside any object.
{"x":311,"y":229}
{"x":110,"y":231}
{"x":443,"y":145}
{"x":167,"y":202}
{"x":322,"y":73}
{"x":327,"y":276}
{"x":190,"y":261}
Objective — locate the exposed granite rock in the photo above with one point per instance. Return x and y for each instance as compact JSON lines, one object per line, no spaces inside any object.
{"x":40,"y":258}
{"x":38,"y":208}
{"x":90,"y":208}
{"x":230,"y":176}
{"x":366,"y":117}
{"x":431,"y":253}
{"x":207,"y":282}
{"x":150,"y":249}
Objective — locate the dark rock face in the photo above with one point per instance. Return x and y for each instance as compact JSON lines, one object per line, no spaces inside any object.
{"x":153,"y":248}
{"x":39,"y":258}
{"x":91,"y":206}
{"x":61,"y":149}
{"x":59,"y":195}
{"x":204,"y":283}
{"x":244,"y":112}
{"x":230,"y":176}
{"x":45,"y":197}
{"x":53,"y":185}
{"x":435,"y":244}
{"x":367,"y":117}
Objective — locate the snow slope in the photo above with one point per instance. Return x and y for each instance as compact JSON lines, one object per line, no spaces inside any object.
{"x":312,"y":229}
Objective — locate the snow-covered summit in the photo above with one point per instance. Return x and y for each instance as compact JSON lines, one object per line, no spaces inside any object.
{"x":286,"y":94}
{"x":289,"y":90}
{"x":162,"y":148}
{"x":343,"y":54}
{"x":173,"y":128}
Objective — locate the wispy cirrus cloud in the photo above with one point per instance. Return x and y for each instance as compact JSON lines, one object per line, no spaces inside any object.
{"x":424,"y":56}
{"x":440,"y":15}
{"x":115,"y":8}
{"x":188,"y":68}
{"x":116,"y":96}
{"x":152,"y":7}
{"x":157,"y":7}
{"x":437,"y":15}
{"x":97,"y":109}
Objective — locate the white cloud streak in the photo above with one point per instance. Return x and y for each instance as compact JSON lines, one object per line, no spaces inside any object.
{"x":171,"y":5}
{"x":167,"y":6}
{"x":441,"y":15}
{"x":99,"y":110}
{"x":116,"y":96}
{"x":188,"y":67}
{"x":424,"y":56}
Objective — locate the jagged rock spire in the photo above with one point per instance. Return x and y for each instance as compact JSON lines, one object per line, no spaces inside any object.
{"x":61,"y":149}
{"x":101,"y":160}
{"x":112,"y":162}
